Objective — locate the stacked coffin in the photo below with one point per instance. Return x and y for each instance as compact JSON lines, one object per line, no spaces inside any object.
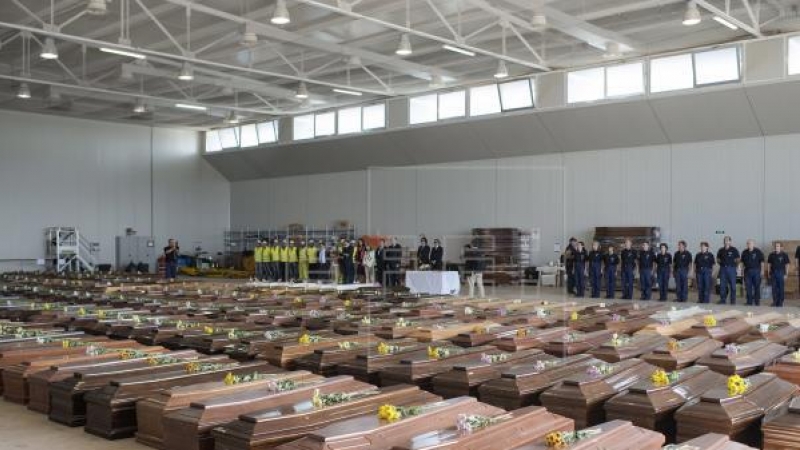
{"x":675,"y":354}
{"x":744,"y":359}
{"x":782,"y":430}
{"x":465,"y":378}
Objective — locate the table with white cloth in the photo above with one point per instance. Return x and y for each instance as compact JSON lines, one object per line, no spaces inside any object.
{"x":433,"y":282}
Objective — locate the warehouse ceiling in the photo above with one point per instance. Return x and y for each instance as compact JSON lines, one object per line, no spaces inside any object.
{"x":242,"y":63}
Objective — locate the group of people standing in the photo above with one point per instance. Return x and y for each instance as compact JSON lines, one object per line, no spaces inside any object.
{"x":290,"y":260}
{"x":658,"y":267}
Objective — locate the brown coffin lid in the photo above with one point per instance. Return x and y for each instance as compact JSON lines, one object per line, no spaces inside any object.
{"x":616,"y":435}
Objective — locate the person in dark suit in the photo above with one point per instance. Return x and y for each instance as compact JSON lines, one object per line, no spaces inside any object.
{"x":394,"y":256}
{"x":703,"y":267}
{"x":569,"y":264}
{"x":663,"y":269}
{"x":628,"y":259}
{"x":646,"y":259}
{"x":753,"y":262}
{"x":682,"y":265}
{"x":581,"y":258}
{"x":423,"y":255}
{"x":611,"y":261}
{"x":348,"y":264}
{"x":437,"y":256}
{"x":380,"y":262}
{"x":778,"y":261}
{"x":595,"y":269}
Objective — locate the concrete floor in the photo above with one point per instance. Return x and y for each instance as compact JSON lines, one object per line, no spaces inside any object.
{"x":23,"y":429}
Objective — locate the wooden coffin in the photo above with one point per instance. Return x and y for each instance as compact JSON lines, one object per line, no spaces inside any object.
{"x":67,"y":402}
{"x":787,"y":368}
{"x":370,"y":432}
{"x":420,"y":369}
{"x":726,"y":330}
{"x":446,"y":331}
{"x":251,"y":347}
{"x":614,"y":435}
{"x":653,"y":407}
{"x":111,"y":411}
{"x":629,"y":347}
{"x":324,"y":361}
{"x":521,"y":385}
{"x":714,"y":441}
{"x":529,"y":339}
{"x":628,"y":325}
{"x":268,"y":428}
{"x":150,"y":411}
{"x":284,"y":354}
{"x":780,"y":333}
{"x":465,"y":378}
{"x":367,"y":366}
{"x":782,"y":430}
{"x":682,"y":353}
{"x":748,"y":358}
{"x":512,"y":429}
{"x":670,"y":328}
{"x":739,"y":416}
{"x":574,"y":342}
{"x":190,"y":428}
{"x":485,"y":336}
{"x":581,"y":397}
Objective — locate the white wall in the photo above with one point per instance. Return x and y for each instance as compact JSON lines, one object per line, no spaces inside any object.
{"x":97,"y":176}
{"x":744,"y":187}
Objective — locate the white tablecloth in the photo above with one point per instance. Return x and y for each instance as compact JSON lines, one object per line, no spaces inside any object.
{"x":433,"y":282}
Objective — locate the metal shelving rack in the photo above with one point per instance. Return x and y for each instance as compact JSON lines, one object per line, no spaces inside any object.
{"x":237,"y":242}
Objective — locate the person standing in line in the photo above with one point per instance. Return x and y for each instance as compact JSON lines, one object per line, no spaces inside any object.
{"x":284,"y":261}
{"x":302,"y":261}
{"x":313,"y":260}
{"x":258,"y":254}
{"x":322,"y":261}
{"x":753,"y":262}
{"x":380,"y":263}
{"x":275,"y":257}
{"x":646,"y":260}
{"x":569,"y":264}
{"x":339,"y":261}
{"x":293,"y":262}
{"x":580,"y":257}
{"x":437,"y":256}
{"x":171,"y":252}
{"x":682,"y":263}
{"x":475,"y":264}
{"x":628,"y":259}
{"x":395,"y":261}
{"x":663,"y":267}
{"x":777,"y":261}
{"x":348,"y":270}
{"x":611,"y":261}
{"x":728,"y":260}
{"x":703,"y":266}
{"x":369,"y":264}
{"x":423,"y":255}
{"x":797,"y":263}
{"x":266,"y":257}
{"x":596,"y":269}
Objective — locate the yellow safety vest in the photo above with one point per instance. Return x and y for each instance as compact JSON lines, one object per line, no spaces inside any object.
{"x":258,"y":254}
{"x":266,"y":255}
{"x":284,"y":254}
{"x":303,"y":254}
{"x":312,"y":255}
{"x":275,"y":253}
{"x":293,"y":254}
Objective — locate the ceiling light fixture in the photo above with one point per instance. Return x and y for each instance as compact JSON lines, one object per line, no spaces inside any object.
{"x":96,"y":8}
{"x":436,"y":82}
{"x":122,"y":53}
{"x":404,"y":49}
{"x":24,"y":91}
{"x":49,"y":50}
{"x":190,"y":106}
{"x":613,"y":50}
{"x":281,"y":14}
{"x":348,"y":92}
{"x":502,"y":70}
{"x":139,"y":107}
{"x":538,"y":20}
{"x":187,"y":72}
{"x":692,"y":15}
{"x":460,"y":50}
{"x":302,"y":91}
{"x":724,"y":22}
{"x":232,"y":118}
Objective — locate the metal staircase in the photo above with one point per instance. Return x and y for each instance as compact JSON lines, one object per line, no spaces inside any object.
{"x":68,"y":250}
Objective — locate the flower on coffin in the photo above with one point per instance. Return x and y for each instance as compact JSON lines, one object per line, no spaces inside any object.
{"x":561,"y":439}
{"x":574,"y":316}
{"x":386,"y":349}
{"x":522,"y":332}
{"x":709,"y":321}
{"x":272,"y":335}
{"x":502,"y":312}
{"x":542,"y":365}
{"x":308,"y":339}
{"x":438,"y":352}
{"x":618,"y":340}
{"x":391,"y":413}
{"x":231,"y":379}
{"x":480,"y":329}
{"x":468,"y":310}
{"x":796,"y":355}
{"x":348,"y":303}
{"x":493,"y":358}
{"x":570,"y":336}
{"x":208,"y":330}
{"x":674,"y":345}
{"x":617,"y":318}
{"x":366,"y":320}
{"x":662,"y":378}
{"x":315,"y":314}
{"x":323,"y":400}
{"x":101,"y":314}
{"x":347,"y":345}
{"x":599,"y":370}
{"x":767,"y":327}
{"x":467,"y":423}
{"x":82,"y":312}
{"x":737,"y":385}
{"x":401,"y":322}
{"x":732,"y":349}
{"x":199,"y":367}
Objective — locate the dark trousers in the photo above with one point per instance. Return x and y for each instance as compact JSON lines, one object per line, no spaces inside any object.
{"x":682,"y":284}
{"x":703,"y":285}
{"x":627,"y":283}
{"x":596,"y":277}
{"x":611,"y":281}
{"x":283,"y":270}
{"x":171,"y":270}
{"x":379,"y":271}
{"x":778,"y":288}
{"x":663,"y":283}
{"x":274,"y":270}
{"x":727,"y":280}
{"x":580,"y":280}
{"x":349,"y":272}
{"x":260,"y":271}
{"x":752,"y":284}
{"x":646,"y":283}
{"x":571,"y":280}
{"x":292,"y":271}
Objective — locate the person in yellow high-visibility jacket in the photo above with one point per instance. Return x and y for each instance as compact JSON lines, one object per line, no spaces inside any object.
{"x":258,"y":256}
{"x":313,"y":260}
{"x":266,"y":258}
{"x":275,"y":260}
{"x":302,"y":260}
{"x":284,"y":261}
{"x":292,"y":268}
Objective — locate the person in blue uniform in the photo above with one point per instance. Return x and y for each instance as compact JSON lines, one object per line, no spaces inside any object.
{"x":628,"y":260}
{"x":703,"y":266}
{"x":580,"y":257}
{"x":569,"y":264}
{"x":611,"y":261}
{"x":728,"y":260}
{"x":777,"y":261}
{"x":663,"y":268}
{"x":682,"y":263}
{"x":645,"y":261}
{"x":596,"y":269}
{"x":753,"y":262}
